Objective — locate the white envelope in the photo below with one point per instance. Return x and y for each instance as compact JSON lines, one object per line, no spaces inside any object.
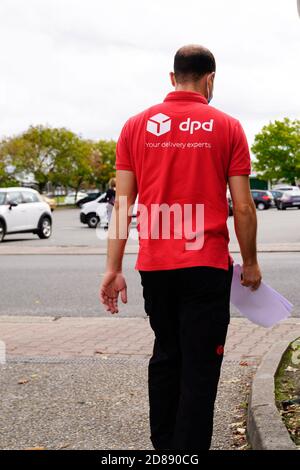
{"x":265,"y":306}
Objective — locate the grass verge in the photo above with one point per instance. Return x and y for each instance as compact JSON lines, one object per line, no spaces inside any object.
{"x":287,"y":390}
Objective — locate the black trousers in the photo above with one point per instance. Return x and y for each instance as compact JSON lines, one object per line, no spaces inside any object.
{"x":189,"y":313}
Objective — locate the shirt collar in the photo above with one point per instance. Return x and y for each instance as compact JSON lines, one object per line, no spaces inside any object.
{"x":185,"y":96}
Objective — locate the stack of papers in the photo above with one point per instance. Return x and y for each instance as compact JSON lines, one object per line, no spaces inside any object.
{"x":265,"y":306}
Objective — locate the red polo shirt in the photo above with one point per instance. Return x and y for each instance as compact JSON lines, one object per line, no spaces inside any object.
{"x":182,"y":152}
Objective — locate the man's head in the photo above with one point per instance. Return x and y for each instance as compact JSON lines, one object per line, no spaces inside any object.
{"x":194,"y":70}
{"x":112,"y":183}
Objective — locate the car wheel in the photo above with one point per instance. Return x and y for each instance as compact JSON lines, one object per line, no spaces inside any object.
{"x":45,"y":228}
{"x":93,"y":220}
{"x":282,"y":208}
{"x":261,"y":206}
{"x":2,"y":231}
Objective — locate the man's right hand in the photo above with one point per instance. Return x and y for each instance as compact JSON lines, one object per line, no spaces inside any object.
{"x":245,"y":224}
{"x":251,"y":276}
{"x":112,"y":285}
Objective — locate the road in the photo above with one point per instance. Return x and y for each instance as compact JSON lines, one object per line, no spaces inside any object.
{"x":274,"y":227}
{"x":67,"y":285}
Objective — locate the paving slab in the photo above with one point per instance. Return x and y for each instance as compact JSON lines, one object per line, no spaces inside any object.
{"x":117,"y":335}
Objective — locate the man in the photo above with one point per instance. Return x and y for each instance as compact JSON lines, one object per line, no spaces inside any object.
{"x":181,"y":153}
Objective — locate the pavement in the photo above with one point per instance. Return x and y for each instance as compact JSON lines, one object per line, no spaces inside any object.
{"x":97,"y":404}
{"x":100,"y":364}
{"x":66,"y":337}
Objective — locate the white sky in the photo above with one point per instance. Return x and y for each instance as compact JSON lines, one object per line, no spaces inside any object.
{"x":88,"y":64}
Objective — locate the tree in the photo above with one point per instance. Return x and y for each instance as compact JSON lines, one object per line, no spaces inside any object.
{"x":103,"y":161}
{"x":54,"y":155}
{"x":72,"y":167}
{"x":6,"y":170}
{"x":59,"y":156}
{"x":277,"y":150}
{"x":33,"y":152}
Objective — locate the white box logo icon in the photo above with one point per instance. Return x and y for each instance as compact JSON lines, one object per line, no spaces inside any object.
{"x":159,"y":124}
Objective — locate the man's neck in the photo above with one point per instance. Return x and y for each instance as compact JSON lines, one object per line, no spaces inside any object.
{"x":190,"y":87}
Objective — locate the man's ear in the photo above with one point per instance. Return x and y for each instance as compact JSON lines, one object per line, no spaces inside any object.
{"x":212,"y":76}
{"x":172,"y":78}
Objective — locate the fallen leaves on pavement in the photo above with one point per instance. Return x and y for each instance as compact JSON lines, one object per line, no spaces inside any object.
{"x":23,"y":381}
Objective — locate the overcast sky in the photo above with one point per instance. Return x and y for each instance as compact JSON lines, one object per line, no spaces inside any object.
{"x":90,"y":64}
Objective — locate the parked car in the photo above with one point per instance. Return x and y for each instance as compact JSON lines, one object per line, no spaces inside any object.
{"x":50,"y":201}
{"x":277,"y":196}
{"x":88,"y":198}
{"x":72,"y":198}
{"x":23,"y":210}
{"x":94,"y":213}
{"x":289,"y":199}
{"x":286,"y":187}
{"x":262,"y":199}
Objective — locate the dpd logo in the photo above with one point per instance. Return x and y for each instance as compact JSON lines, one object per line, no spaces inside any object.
{"x":159,"y":124}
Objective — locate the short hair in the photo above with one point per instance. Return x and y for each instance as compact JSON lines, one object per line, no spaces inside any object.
{"x":112,"y":183}
{"x":192,"y":62}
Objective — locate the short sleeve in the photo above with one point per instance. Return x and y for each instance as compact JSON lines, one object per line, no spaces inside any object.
{"x":240,"y":161}
{"x":123,"y":160}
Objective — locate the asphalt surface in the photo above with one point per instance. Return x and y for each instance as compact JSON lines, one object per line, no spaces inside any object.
{"x":104,"y":405}
{"x":274,"y":227}
{"x":67,"y":231}
{"x":67,"y":285}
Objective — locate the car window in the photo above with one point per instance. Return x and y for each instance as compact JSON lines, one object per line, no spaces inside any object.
{"x":14,"y":196}
{"x":254,"y":193}
{"x":29,"y":196}
{"x":101,"y":197}
{"x":2,"y":198}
